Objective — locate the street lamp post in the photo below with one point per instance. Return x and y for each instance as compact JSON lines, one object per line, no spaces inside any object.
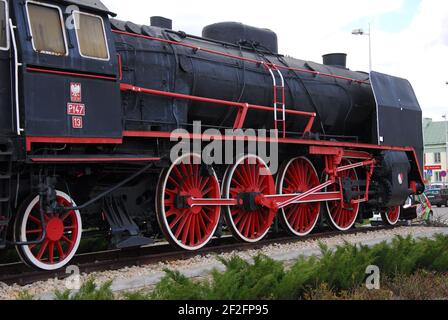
{"x":361,"y":32}
{"x":445,"y":116}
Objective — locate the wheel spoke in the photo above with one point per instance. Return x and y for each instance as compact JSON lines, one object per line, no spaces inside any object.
{"x":42,"y":249}
{"x":51,"y":252}
{"x":60,"y":251}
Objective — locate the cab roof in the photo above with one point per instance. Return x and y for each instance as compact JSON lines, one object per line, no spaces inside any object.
{"x":95,"y":5}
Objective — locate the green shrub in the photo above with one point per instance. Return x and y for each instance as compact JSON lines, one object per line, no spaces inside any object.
{"x":88,"y":291}
{"x":243,"y":281}
{"x":336,"y":273}
{"x":175,"y":286}
{"x":25,"y":295}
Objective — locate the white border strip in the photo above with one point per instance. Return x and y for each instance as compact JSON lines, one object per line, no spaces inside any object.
{"x":61,"y":18}
{"x":77,"y":24}
{"x":6,"y":26}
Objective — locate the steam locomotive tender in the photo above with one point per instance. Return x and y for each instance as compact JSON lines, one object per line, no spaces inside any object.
{"x":88,"y":104}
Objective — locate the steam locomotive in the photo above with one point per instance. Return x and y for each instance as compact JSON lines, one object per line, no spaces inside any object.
{"x":89,"y":104}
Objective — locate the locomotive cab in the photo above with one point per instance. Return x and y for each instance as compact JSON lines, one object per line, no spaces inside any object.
{"x":68,"y":72}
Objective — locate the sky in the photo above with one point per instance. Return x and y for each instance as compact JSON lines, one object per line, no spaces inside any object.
{"x":409,"y":37}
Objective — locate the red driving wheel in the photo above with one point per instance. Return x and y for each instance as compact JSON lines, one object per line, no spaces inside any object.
{"x":249,"y":175}
{"x":298,"y":176}
{"x":189,"y":228}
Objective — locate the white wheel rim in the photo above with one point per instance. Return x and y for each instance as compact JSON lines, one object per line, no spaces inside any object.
{"x":333,"y":223}
{"x":23,"y":238}
{"x":164,"y":220}
{"x":226,"y":194}
{"x":390,"y":222}
{"x":280,"y":191}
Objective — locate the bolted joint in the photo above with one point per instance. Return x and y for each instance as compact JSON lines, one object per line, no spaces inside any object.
{"x":248,"y":201}
{"x":181,"y":202}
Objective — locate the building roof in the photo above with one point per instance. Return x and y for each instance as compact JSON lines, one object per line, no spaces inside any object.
{"x":434,"y":133}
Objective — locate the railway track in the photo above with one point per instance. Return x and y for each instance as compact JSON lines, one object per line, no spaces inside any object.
{"x":21,"y":274}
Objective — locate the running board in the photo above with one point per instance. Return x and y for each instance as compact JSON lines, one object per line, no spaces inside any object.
{"x":91,"y":159}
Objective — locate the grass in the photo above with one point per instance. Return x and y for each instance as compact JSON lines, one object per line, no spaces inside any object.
{"x":410,"y":269}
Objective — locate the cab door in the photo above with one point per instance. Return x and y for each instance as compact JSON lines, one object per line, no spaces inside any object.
{"x":5,"y":71}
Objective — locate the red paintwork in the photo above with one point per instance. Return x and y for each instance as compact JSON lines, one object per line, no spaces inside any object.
{"x":120,"y":67}
{"x":92,"y":159}
{"x":68,"y":73}
{"x":70,"y":140}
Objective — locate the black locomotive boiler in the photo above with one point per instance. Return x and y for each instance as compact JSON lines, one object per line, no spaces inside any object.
{"x":88,"y":104}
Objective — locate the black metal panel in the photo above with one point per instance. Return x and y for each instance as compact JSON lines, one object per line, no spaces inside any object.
{"x":236,"y":33}
{"x":46,"y":97}
{"x":399,"y":113}
{"x":5,"y":93}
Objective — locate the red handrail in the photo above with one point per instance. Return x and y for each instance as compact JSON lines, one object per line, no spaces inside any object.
{"x":244,"y":107}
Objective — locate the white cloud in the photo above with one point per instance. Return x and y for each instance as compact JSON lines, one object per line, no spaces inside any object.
{"x":308,"y":29}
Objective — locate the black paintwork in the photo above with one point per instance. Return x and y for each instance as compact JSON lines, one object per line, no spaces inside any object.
{"x":6,"y":121}
{"x":344,"y":107}
{"x":399,"y":113}
{"x":45,"y":96}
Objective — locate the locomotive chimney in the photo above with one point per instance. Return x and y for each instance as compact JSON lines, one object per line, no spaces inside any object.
{"x":162,"y":22}
{"x":335,"y":60}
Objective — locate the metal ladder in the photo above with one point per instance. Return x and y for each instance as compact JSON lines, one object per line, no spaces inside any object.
{"x":279,"y":92}
{"x":5,"y":194}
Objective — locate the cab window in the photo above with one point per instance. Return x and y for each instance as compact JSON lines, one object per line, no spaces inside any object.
{"x":91,"y":36}
{"x":47,"y":29}
{"x":4,"y":34}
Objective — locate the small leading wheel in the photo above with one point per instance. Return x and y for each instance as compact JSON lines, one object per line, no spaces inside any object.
{"x":391,"y":216}
{"x":342,"y":216}
{"x":188,"y":228}
{"x":247,"y":178}
{"x":297,"y":176}
{"x":63,"y":233}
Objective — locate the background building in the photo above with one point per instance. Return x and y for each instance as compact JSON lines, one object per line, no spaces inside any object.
{"x":436,"y":144}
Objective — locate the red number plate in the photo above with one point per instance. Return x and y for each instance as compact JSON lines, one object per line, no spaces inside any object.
{"x":77,"y":122}
{"x":76,"y":109}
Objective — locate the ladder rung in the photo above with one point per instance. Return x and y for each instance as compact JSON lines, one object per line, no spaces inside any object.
{"x":4,"y":200}
{"x":4,"y":223}
{"x":4,"y":177}
{"x":6,"y":153}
